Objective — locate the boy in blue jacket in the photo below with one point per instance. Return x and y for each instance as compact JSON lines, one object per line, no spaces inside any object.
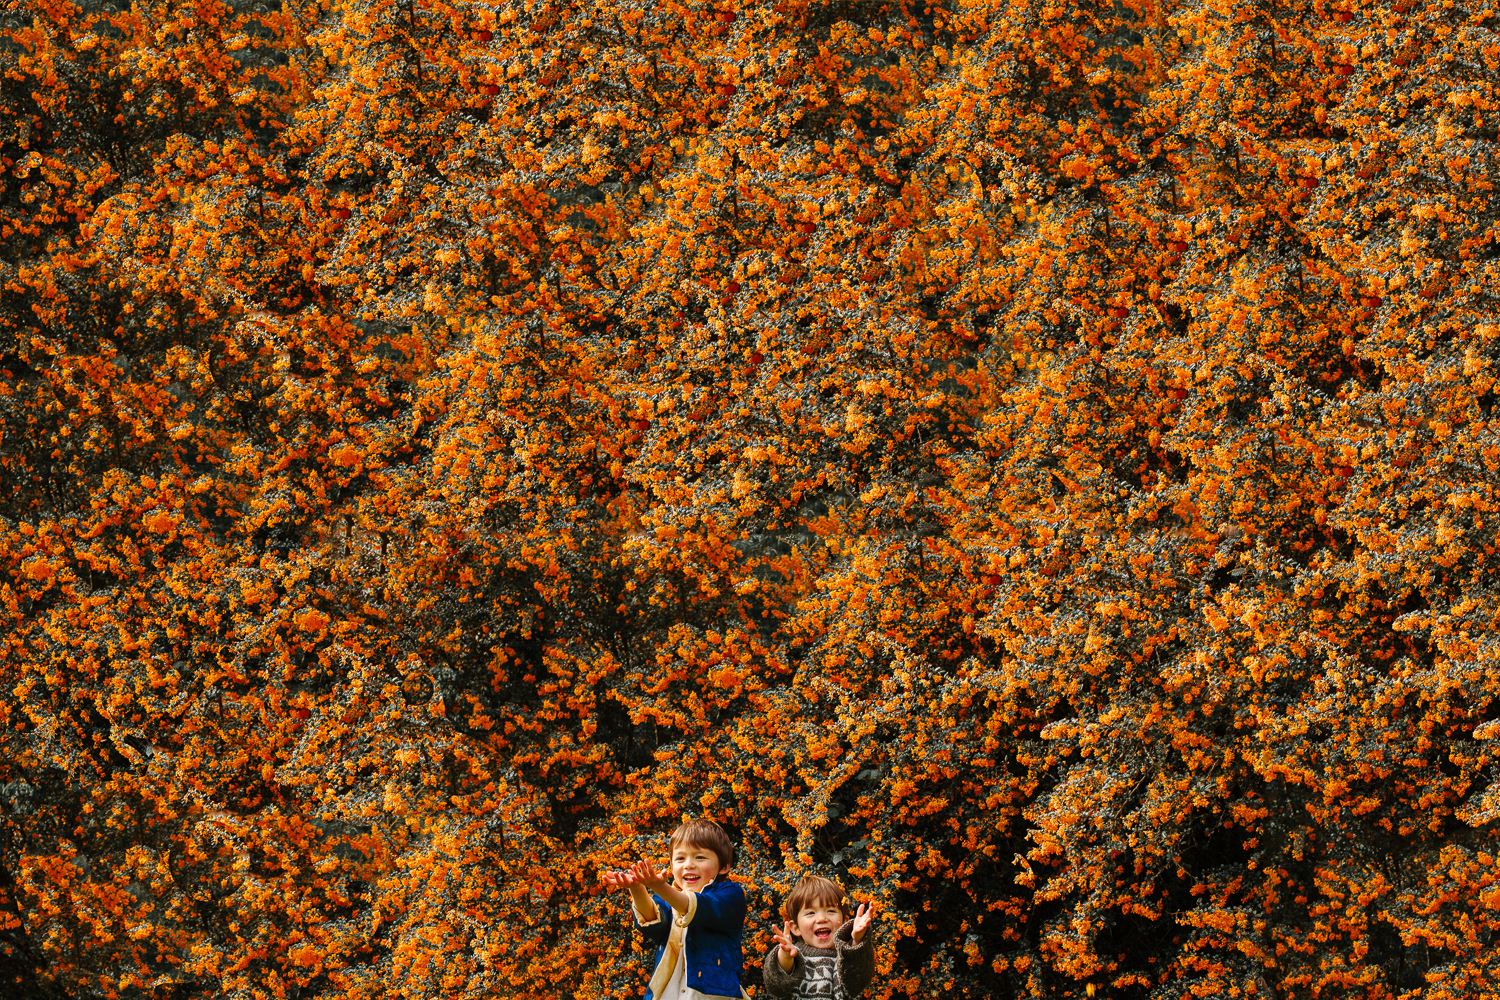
{"x":696,"y":920}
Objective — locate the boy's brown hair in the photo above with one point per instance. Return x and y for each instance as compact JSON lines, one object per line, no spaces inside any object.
{"x":705,"y":833}
{"x":813,"y":891}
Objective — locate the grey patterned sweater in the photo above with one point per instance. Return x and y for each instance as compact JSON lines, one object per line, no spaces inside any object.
{"x":838,"y":973}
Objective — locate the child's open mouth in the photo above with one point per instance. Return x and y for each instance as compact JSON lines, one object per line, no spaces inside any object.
{"x":822,"y":936}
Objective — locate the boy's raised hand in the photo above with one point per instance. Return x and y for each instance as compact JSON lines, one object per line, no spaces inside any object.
{"x":622,"y":880}
{"x":862,"y":918}
{"x":786,"y":947}
{"x":645,"y":873}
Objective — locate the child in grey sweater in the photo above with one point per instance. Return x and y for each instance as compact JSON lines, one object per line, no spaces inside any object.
{"x":820,"y":952}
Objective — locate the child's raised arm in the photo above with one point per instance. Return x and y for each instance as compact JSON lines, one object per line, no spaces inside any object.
{"x":640,"y":896}
{"x":784,"y":966}
{"x":857,"y":958}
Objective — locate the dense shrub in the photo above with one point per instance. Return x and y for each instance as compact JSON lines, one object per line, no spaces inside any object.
{"x":1034,"y":462}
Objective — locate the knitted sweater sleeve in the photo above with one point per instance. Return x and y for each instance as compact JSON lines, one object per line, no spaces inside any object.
{"x":856,"y":961}
{"x":779,"y":982}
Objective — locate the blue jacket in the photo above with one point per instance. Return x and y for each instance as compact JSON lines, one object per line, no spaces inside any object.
{"x":712,"y":948}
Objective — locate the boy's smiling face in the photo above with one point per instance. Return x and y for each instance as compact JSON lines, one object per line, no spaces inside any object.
{"x":694,"y":866}
{"x":817,"y":921}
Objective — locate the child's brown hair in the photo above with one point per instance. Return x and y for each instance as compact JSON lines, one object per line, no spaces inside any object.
{"x":813,"y":891}
{"x":705,"y":833}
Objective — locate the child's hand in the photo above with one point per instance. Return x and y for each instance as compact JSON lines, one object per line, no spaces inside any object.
{"x":644,"y":873}
{"x":786,"y":947}
{"x":862,"y":920}
{"x":623,"y":880}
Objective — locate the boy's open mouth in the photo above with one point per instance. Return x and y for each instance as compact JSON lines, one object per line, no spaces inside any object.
{"x":822,"y":935}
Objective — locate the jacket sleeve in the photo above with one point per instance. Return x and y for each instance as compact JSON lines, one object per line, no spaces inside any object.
{"x":780,"y":983}
{"x":721,"y":909}
{"x":856,"y":961}
{"x":654,"y":931}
